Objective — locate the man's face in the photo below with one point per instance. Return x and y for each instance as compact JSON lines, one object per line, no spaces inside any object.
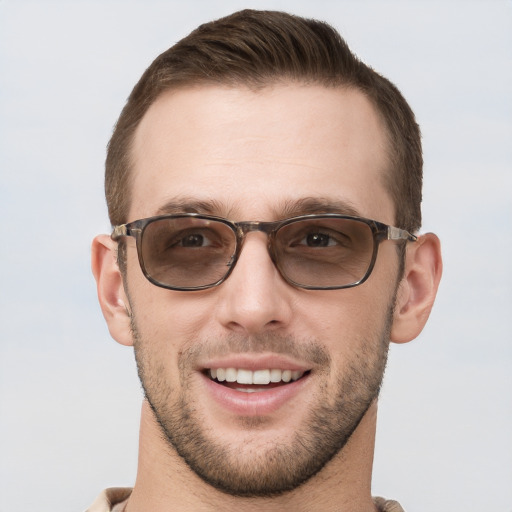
{"x":266,"y":155}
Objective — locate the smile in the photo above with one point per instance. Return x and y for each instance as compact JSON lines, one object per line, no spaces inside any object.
{"x":249,"y":377}
{"x":254,"y":384}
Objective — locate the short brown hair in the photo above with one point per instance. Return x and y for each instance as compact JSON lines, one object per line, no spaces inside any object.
{"x":256,"y":49}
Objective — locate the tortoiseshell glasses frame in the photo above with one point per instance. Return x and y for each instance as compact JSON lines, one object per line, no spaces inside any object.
{"x":190,"y":252}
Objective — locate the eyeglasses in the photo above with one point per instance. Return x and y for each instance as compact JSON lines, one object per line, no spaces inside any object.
{"x":191,"y":251}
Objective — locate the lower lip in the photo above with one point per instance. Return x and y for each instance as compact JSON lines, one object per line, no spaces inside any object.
{"x":257,"y":403}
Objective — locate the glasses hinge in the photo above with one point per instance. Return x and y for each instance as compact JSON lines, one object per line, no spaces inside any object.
{"x":119,"y":231}
{"x":396,"y":233}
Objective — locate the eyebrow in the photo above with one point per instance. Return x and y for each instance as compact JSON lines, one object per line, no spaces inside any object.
{"x":287,"y":209}
{"x":313,"y":205}
{"x":190,"y":205}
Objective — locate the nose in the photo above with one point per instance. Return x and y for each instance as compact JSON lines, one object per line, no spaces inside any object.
{"x":254,"y":298}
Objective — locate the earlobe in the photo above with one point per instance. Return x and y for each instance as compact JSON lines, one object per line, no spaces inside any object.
{"x":418,"y":288}
{"x":111,"y":294}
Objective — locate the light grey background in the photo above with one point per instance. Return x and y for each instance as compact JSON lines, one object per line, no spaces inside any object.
{"x":69,"y":395}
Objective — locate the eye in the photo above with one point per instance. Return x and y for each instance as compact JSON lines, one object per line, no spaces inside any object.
{"x":193,"y":240}
{"x":318,"y":240}
{"x":320,"y":237}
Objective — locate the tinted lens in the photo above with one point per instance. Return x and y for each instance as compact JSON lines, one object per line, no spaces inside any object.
{"x":325,"y":252}
{"x":187,"y":252}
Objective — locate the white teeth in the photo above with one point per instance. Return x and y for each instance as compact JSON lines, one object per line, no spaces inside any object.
{"x":261,"y":377}
{"x":275,"y":375}
{"x":244,"y":377}
{"x":296,"y":374}
{"x":231,"y":375}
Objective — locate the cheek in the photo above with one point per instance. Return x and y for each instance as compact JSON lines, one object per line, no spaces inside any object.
{"x":175,"y":321}
{"x":343,"y":320}
{"x":165,"y":329}
{"x":170,"y":322}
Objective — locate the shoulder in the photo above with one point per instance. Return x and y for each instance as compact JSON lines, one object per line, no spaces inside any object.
{"x":384,"y":505}
{"x":109,"y":498}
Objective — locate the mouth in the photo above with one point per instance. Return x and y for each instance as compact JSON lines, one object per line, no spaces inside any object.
{"x":253,"y":381}
{"x":249,"y":385}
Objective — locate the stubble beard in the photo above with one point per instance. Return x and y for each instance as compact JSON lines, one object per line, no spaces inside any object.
{"x":279,"y":466}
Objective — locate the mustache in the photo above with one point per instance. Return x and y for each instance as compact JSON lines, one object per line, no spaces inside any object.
{"x":303,"y":350}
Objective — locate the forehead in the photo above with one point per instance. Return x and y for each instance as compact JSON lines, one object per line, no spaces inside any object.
{"x":250,"y":153}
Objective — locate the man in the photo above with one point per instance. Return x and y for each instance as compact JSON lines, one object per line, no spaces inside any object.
{"x":264,"y":186}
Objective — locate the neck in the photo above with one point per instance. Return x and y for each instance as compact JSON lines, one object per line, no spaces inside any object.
{"x":165,"y":482}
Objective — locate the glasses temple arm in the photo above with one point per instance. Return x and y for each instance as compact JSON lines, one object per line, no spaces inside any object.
{"x":400,"y":234}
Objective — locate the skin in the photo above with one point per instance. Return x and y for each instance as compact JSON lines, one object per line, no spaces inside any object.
{"x":256,"y":156}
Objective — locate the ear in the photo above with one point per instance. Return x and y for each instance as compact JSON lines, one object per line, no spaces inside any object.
{"x":418,"y":288}
{"x":111,"y":294}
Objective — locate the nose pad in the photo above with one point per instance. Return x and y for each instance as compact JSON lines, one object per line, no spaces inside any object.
{"x":242,"y":236}
{"x":231,"y":261}
{"x":271,"y":251}
{"x":255,"y":257}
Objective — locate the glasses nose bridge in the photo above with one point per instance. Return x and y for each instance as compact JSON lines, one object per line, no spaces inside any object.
{"x":247,"y":227}
{"x":269,"y":228}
